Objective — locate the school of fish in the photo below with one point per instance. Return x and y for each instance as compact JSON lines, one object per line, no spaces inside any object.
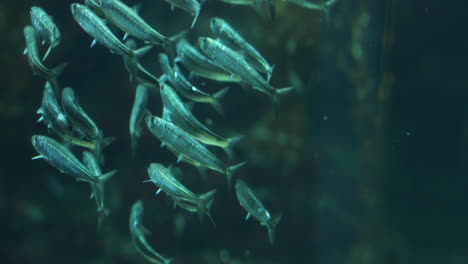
{"x":227,"y":58}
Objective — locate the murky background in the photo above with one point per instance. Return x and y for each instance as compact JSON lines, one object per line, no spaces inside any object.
{"x":367,"y":162}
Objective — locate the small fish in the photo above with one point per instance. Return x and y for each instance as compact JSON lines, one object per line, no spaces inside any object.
{"x":175,"y":76}
{"x":139,"y":111}
{"x":62,"y":159}
{"x":185,"y":145}
{"x":98,"y":188}
{"x":137,"y":72}
{"x":183,"y":118}
{"x":83,"y":123}
{"x":138,"y":232}
{"x":128,"y":20}
{"x":234,"y":63}
{"x":51,"y":112}
{"x":255,"y":208}
{"x":200,"y":65}
{"x":190,"y":6}
{"x":46,"y":28}
{"x":183,"y":197}
{"x":224,"y":31}
{"x":32,"y":52}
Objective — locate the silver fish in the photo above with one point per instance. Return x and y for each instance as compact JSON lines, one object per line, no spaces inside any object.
{"x":138,"y":232}
{"x":185,"y":145}
{"x":128,"y":20}
{"x":139,"y":111}
{"x":175,"y":76}
{"x":183,"y":118}
{"x":97,"y":28}
{"x":46,"y":28}
{"x":183,"y":197}
{"x":79,"y":118}
{"x":234,"y":63}
{"x":224,"y":31}
{"x":200,"y":65}
{"x":62,"y":159}
{"x":51,"y":112}
{"x":255,"y":208}
{"x":32,"y":52}
{"x":190,"y":6}
{"x":98,"y":188}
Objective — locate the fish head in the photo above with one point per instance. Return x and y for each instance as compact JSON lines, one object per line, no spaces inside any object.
{"x":216,"y":24}
{"x":204,"y":43}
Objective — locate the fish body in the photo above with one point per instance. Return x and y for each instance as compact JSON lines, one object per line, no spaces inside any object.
{"x":234,"y":63}
{"x":139,"y":111}
{"x":200,"y":65}
{"x":182,"y":117}
{"x":78,"y":117}
{"x":46,"y":28}
{"x":165,"y":181}
{"x":138,"y":232}
{"x":175,"y":76}
{"x":185,"y":145}
{"x":51,"y":112}
{"x":226,"y":32}
{"x":255,"y":208}
{"x":34,"y":60}
{"x":128,"y":20}
{"x":97,"y":28}
{"x":61,"y":158}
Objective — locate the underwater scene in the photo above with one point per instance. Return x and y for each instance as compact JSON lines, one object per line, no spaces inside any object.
{"x":234,"y":131}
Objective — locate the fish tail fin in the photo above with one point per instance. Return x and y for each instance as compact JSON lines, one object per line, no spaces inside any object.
{"x":204,"y":204}
{"x":54,"y":75}
{"x":57,"y":70}
{"x":271,"y":225}
{"x":134,"y":144}
{"x":101,"y":214}
{"x":47,"y":53}
{"x":229,"y":172}
{"x":279,"y":92}
{"x":270,"y":72}
{"x":231,"y":142}
{"x":326,"y":10}
{"x":217,"y":97}
{"x":171,"y":42}
{"x":106,"y":176}
{"x":195,"y":18}
{"x":102,"y":143}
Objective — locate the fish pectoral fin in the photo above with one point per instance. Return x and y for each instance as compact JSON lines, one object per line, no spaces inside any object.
{"x":37,"y":157}
{"x":125,"y":36}
{"x":180,"y":158}
{"x":158,"y":191}
{"x":93,"y":43}
{"x":91,"y":196}
{"x":25,"y":51}
{"x":163,"y":144}
{"x":247,"y":216}
{"x":40,"y":119}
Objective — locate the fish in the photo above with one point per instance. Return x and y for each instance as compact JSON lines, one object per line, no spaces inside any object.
{"x":192,"y":7}
{"x":183,"y":118}
{"x":183,"y":197}
{"x":98,"y":188}
{"x":46,"y":28}
{"x":139,"y":111}
{"x":128,"y":20}
{"x":83,"y":123}
{"x":234,"y":63}
{"x":175,"y":76}
{"x":199,"y":64}
{"x":51,"y":112}
{"x":185,"y":145}
{"x":224,"y":31}
{"x":138,"y":233}
{"x":38,"y":68}
{"x":255,"y":208}
{"x":137,"y":72}
{"x":62,"y":159}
